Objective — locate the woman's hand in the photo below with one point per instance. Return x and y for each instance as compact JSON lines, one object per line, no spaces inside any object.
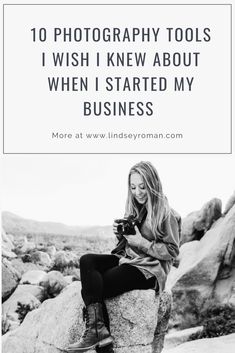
{"x":115,"y":225}
{"x":134,"y":240}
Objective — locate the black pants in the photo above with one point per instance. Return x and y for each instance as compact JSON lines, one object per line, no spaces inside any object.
{"x":102,"y":277}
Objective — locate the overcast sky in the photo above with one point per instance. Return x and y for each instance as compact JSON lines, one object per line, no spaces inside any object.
{"x":92,"y":189}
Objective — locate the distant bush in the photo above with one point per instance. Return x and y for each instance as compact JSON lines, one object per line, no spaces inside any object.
{"x":50,"y":243}
{"x":217,"y":320}
{"x":68,"y":247}
{"x":64,"y":260}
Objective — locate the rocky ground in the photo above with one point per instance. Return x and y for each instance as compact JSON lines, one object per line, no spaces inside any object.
{"x":37,"y":274}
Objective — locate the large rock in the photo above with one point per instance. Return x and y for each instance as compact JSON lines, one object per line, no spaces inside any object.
{"x":53,"y":282}
{"x":33,"y":277}
{"x":7,"y":246}
{"x":19,"y":299}
{"x":8,"y":254}
{"x":203,"y":265}
{"x":224,"y":290}
{"x":64,"y":259}
{"x":132,"y":328}
{"x":23,"y":245}
{"x":230,"y":203}
{"x":176,"y":338}
{"x":51,"y":327}
{"x":195,"y":225}
{"x":7,"y":241}
{"x":41,"y":258}
{"x":10,"y":278}
{"x":19,"y":296}
{"x":26,"y":297}
{"x":23,"y":267}
{"x":51,"y":250}
{"x":223,"y":344}
{"x":58,"y":322}
{"x":164,"y":313}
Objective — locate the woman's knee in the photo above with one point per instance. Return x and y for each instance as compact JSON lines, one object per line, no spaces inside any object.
{"x":86,"y":260}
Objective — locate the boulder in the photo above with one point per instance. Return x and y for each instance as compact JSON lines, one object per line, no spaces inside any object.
{"x":8,"y":254}
{"x":25,"y":296}
{"x":10,"y":278}
{"x":53,"y":282}
{"x":201,"y":267}
{"x":132,"y":333}
{"x":33,"y":277}
{"x":164,"y":313}
{"x":51,"y":250}
{"x":178,"y":337}
{"x":41,"y":258}
{"x":50,"y":328}
{"x":23,"y":267}
{"x":58,"y":322}
{"x":19,"y":295}
{"x":230,"y":203}
{"x":70,"y":279}
{"x":28,"y":246}
{"x":7,"y":241}
{"x":195,"y":225}
{"x":23,"y":245}
{"x":9,"y":323}
{"x":64,"y":259}
{"x":7,"y":246}
{"x":223,"y":344}
{"x":224,"y":290}
{"x":11,"y":237}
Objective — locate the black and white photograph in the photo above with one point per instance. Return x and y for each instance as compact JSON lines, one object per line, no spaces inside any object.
{"x":139,"y":250}
{"x":117,"y":177}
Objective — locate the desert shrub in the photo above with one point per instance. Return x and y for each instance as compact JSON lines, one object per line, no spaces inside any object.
{"x":50,"y":243}
{"x":217,"y":320}
{"x":64,"y":260}
{"x":185,"y":310}
{"x":22,"y":310}
{"x":41,"y":248}
{"x":68,"y":247}
{"x":26,"y":258}
{"x":75,"y":272}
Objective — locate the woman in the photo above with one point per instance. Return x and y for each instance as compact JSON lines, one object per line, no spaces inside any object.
{"x":140,"y":261}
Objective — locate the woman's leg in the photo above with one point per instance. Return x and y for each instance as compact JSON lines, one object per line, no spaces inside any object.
{"x":92,"y":269}
{"x":124,"y":278}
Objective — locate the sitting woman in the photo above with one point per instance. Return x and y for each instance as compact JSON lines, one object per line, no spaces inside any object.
{"x":148,"y":242}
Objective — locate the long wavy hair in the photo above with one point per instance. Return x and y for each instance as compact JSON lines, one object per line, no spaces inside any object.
{"x":157,"y":204}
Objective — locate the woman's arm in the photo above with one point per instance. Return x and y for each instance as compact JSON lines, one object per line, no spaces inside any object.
{"x":168,"y":248}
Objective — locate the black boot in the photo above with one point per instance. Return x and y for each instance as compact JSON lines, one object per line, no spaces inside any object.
{"x":106,"y":349}
{"x":106,"y":316}
{"x":96,"y":334}
{"x":109,"y":348}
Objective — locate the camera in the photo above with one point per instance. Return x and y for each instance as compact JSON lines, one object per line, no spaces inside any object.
{"x":126,"y":226}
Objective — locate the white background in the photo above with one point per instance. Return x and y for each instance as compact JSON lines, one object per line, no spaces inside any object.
{"x":32,"y":113}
